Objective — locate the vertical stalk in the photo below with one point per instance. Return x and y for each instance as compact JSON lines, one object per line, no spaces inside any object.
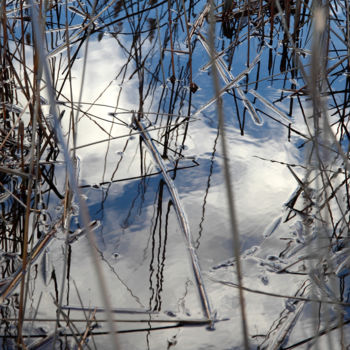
{"x":188,"y":43}
{"x":21,"y":312}
{"x":172,"y":79}
{"x":228,"y":180}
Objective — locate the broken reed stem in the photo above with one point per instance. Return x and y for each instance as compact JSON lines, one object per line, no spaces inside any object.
{"x":180,"y":215}
{"x":228,"y":180}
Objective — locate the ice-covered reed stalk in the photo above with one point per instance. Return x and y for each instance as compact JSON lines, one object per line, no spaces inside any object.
{"x":317,"y":161}
{"x":228,"y":179}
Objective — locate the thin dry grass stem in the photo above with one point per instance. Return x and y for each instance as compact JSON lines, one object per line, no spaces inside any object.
{"x":228,"y":181}
{"x":173,"y":77}
{"x":283,"y":296}
{"x":88,"y":329}
{"x":182,"y":321}
{"x":133,"y":134}
{"x":131,"y":311}
{"x":248,"y":32}
{"x":160,"y":48}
